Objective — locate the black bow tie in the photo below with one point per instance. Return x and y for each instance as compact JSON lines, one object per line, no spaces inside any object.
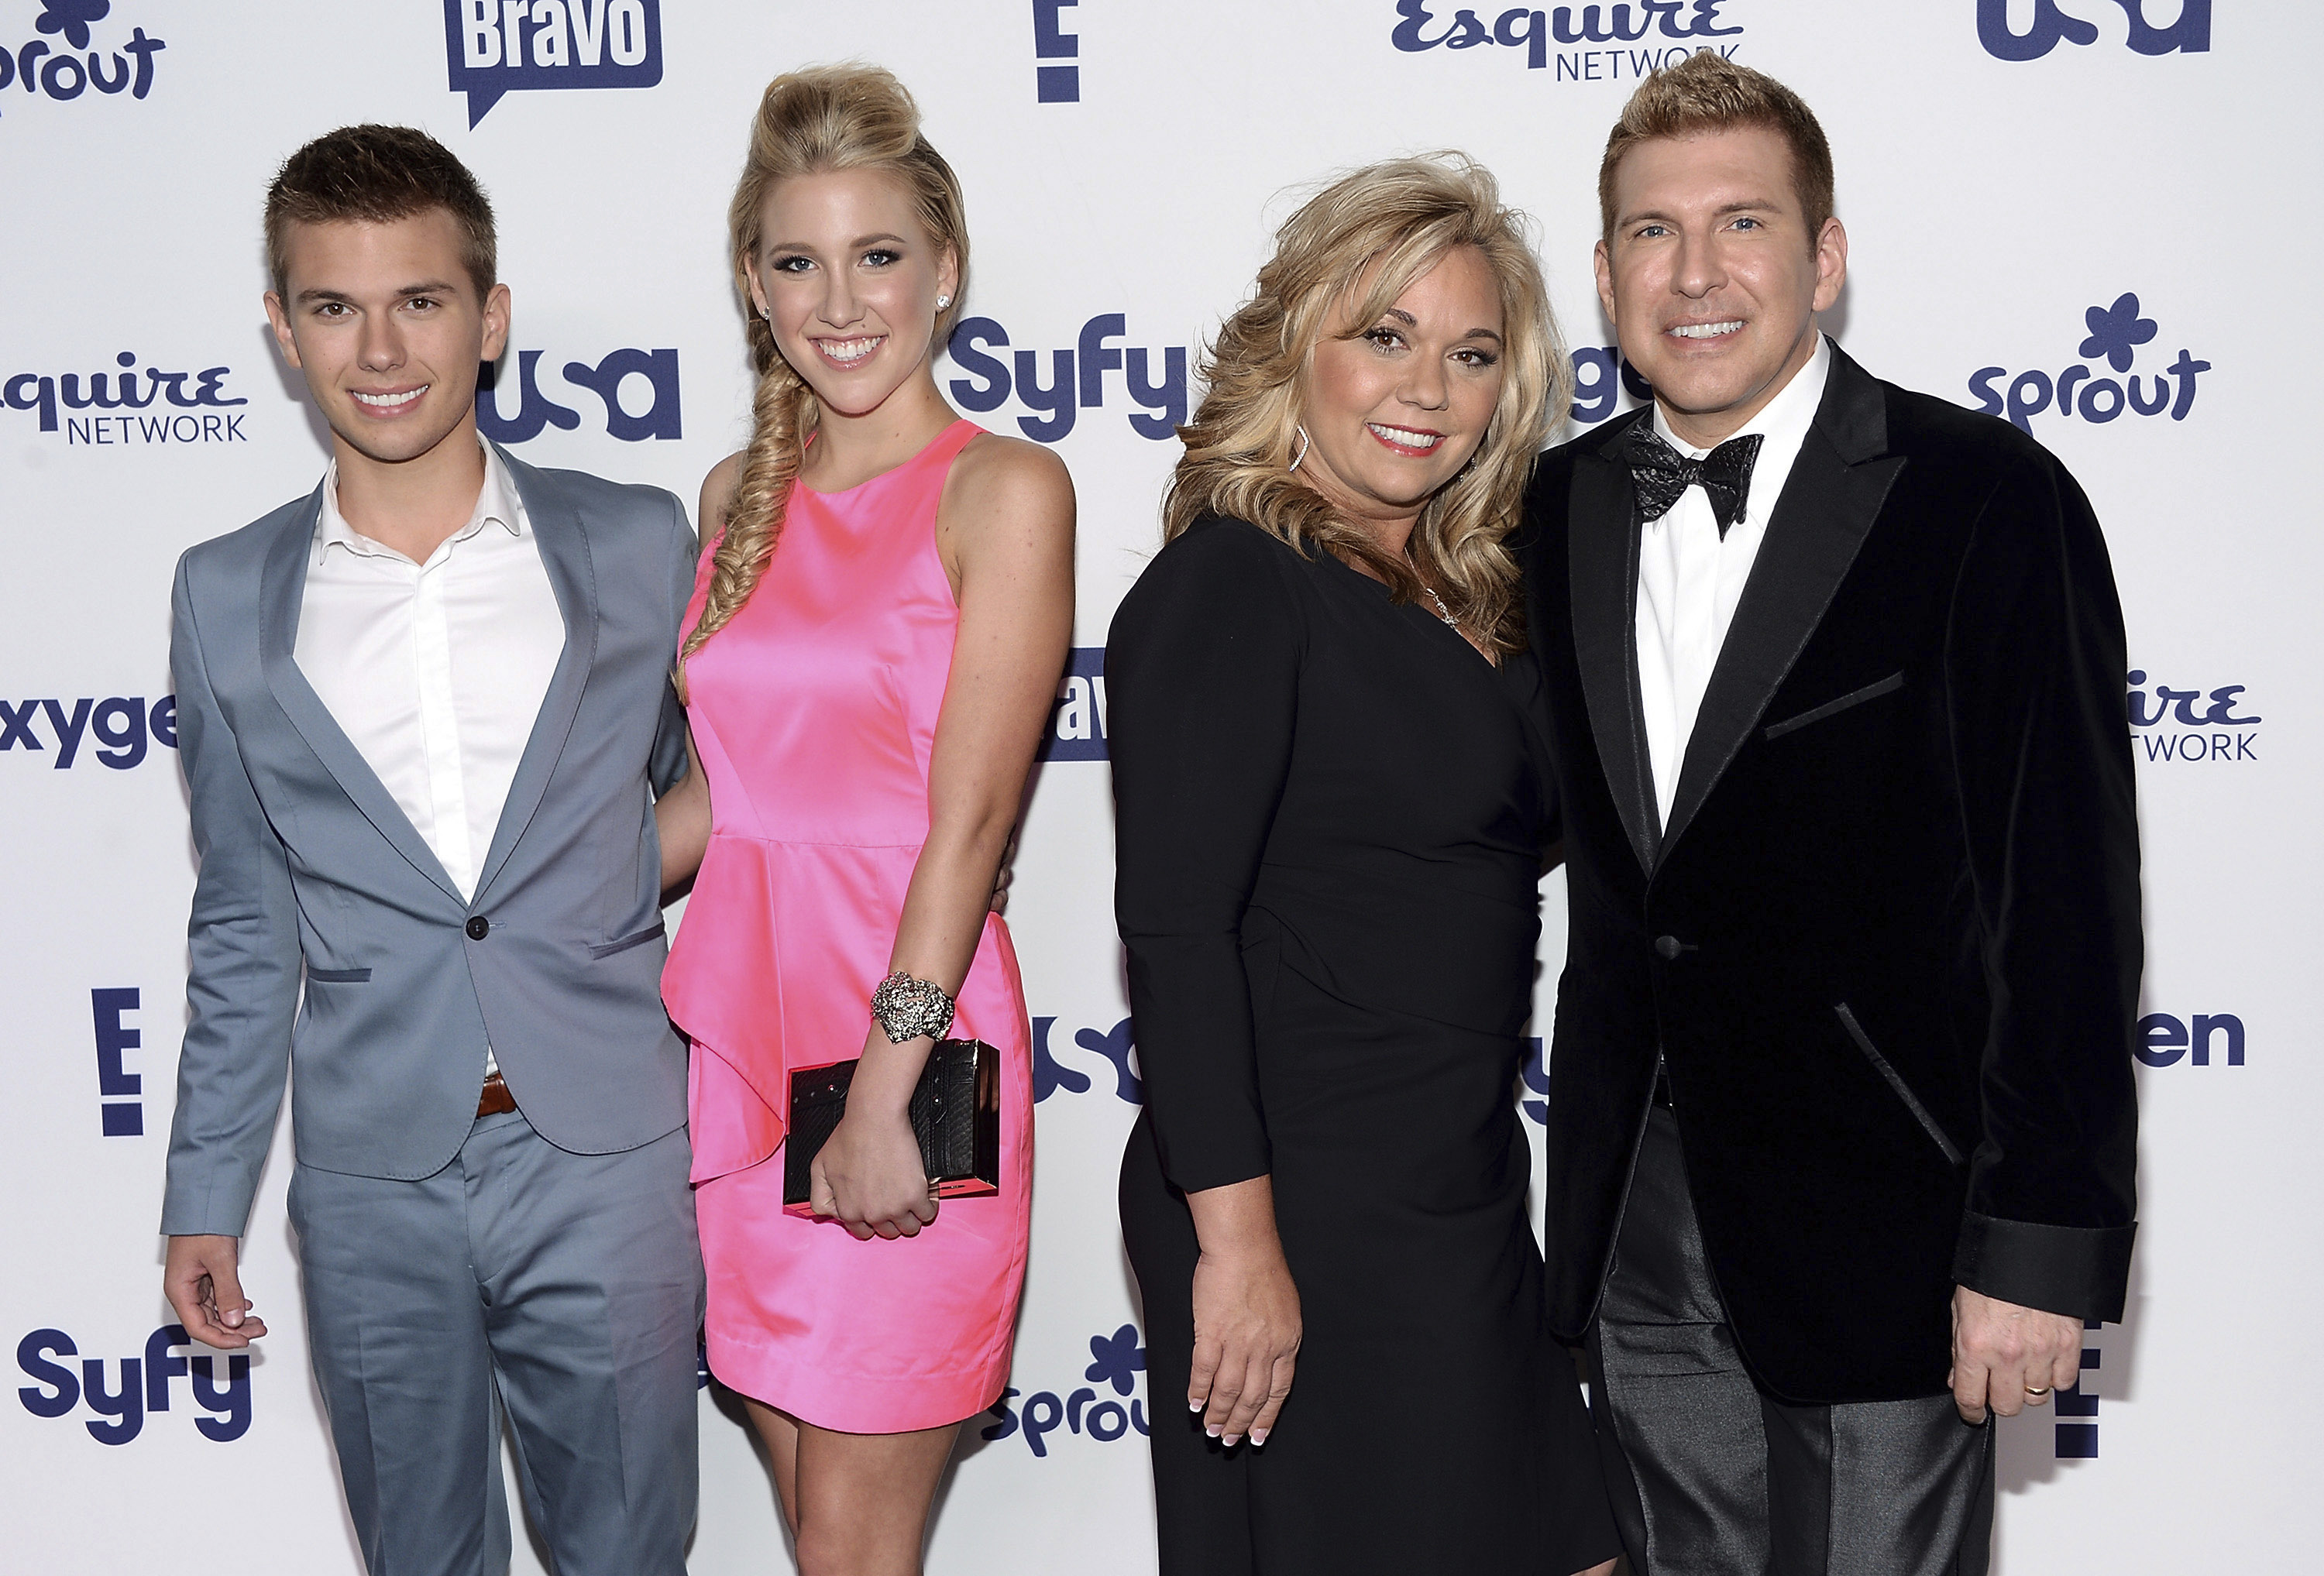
{"x":1661,"y":474}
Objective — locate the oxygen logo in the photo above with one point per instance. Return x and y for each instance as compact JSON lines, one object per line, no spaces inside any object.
{"x":621,"y":380}
{"x":497,"y":47}
{"x":120,"y":725}
{"x":120,"y":1409}
{"x":109,"y":64}
{"x":2116,"y":334}
{"x":1667,"y":32}
{"x":2052,"y":23}
{"x":2165,"y":1041}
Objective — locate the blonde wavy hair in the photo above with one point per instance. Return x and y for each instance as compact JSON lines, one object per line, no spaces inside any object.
{"x":1404,"y":215}
{"x":811,"y":122}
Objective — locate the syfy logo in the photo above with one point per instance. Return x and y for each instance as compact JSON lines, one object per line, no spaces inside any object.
{"x":1116,"y":1361}
{"x":1076,"y":378}
{"x":2164,"y":1041}
{"x":1661,"y":26}
{"x":120,"y":391}
{"x":2188,"y":724}
{"x":496,"y":47}
{"x":2050,"y":22}
{"x":1055,"y":84}
{"x":657,"y":370}
{"x":144,"y":1388}
{"x":1116,"y":1045}
{"x":66,"y":74}
{"x":1077,"y":721}
{"x":120,"y":724}
{"x":2116,"y":334}
{"x":119,"y":1118}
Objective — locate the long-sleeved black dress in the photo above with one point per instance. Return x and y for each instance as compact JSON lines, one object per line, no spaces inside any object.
{"x":1331,"y":811}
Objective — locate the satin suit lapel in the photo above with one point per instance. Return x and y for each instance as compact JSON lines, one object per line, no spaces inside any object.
{"x":1835,"y":492}
{"x":1602,"y":576}
{"x":563,"y":538}
{"x":282,"y":591}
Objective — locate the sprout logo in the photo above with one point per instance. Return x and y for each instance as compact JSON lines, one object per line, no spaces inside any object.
{"x":1117,"y":1360}
{"x":2116,"y":333}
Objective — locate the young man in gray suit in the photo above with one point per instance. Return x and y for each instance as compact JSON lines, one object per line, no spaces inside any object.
{"x":424,"y":713}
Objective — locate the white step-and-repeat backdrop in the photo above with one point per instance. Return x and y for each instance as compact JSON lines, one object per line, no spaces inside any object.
{"x":2094,"y":217}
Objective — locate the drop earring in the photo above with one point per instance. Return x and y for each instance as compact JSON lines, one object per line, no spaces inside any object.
{"x":1302,"y":455}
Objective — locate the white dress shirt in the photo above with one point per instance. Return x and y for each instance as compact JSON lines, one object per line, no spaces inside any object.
{"x":436,"y":671}
{"x":1690,"y":579}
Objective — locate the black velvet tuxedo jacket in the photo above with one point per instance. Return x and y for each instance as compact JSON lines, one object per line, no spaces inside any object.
{"x":1888,"y":944}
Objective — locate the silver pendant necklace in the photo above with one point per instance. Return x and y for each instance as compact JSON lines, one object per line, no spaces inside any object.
{"x":1443,"y":612}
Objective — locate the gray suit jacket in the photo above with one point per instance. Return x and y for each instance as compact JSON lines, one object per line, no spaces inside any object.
{"x":325,"y":935}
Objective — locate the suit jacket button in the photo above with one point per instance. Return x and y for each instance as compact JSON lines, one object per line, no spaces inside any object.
{"x":480,"y":927}
{"x":1669,"y":947}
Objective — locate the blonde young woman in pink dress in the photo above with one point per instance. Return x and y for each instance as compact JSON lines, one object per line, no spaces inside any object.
{"x":875,"y":641}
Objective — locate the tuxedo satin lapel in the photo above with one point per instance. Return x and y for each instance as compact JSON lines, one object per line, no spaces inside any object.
{"x":1601,"y":537}
{"x":282,"y":592}
{"x":562,"y":536}
{"x":1836,"y":490}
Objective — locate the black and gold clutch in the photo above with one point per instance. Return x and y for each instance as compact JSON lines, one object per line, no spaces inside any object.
{"x":955,"y":1114}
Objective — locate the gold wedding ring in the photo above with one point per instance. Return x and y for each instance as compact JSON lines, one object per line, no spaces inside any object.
{"x":2037,"y":1390}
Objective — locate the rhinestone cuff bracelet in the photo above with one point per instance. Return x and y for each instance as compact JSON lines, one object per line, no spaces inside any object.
{"x":907,"y":1008}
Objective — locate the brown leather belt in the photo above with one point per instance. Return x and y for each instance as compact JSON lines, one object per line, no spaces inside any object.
{"x":495,"y":1098}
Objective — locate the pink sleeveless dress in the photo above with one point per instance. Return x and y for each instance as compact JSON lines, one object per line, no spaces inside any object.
{"x":815,"y":713}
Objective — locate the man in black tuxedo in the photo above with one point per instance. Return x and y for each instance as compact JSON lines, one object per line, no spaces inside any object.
{"x":1842,"y":1122}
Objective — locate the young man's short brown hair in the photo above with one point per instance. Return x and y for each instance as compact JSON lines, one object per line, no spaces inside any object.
{"x":1705,"y":93}
{"x":376,"y":175}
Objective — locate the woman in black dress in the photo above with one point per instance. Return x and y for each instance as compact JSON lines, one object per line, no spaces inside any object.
{"x":1331,"y":807}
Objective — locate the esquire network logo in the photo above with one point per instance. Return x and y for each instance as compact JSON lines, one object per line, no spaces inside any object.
{"x":1076,"y":378}
{"x":142,"y":1389}
{"x":69,"y":55}
{"x":2051,"y":23}
{"x":2191,"y":725}
{"x":1656,"y":33}
{"x":530,"y":410}
{"x":494,"y":48}
{"x":1087,"y":1411}
{"x":2116,"y":334}
{"x":154,"y":407}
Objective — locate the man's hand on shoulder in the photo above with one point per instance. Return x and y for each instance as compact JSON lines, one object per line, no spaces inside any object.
{"x":202,"y":1284}
{"x":2006,"y":1357}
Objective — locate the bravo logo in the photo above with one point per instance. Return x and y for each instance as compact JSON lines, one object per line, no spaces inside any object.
{"x":110,"y":64}
{"x":1077,"y":720}
{"x":2049,"y":23}
{"x":1076,"y":379}
{"x":1088,"y":1411}
{"x":496,"y":47}
{"x":159,"y":407}
{"x":142,"y":1390}
{"x":2116,"y":333}
{"x":1661,"y":33}
{"x":622,"y":379}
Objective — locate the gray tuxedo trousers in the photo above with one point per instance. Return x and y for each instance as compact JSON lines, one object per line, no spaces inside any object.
{"x":539,"y":1264}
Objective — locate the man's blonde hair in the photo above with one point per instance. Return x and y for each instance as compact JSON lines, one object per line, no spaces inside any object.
{"x":1706,"y":93}
{"x":1403,"y":216}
